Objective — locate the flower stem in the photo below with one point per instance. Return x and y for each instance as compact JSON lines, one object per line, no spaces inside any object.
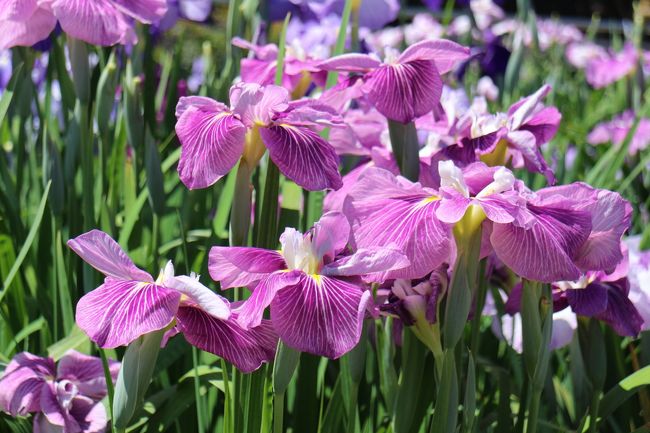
{"x":404,"y":139}
{"x":197,"y":391}
{"x":533,"y":409}
{"x":278,"y":412}
{"x":109,"y":382}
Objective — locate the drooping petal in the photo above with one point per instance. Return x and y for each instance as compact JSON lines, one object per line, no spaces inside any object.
{"x":27,"y":32}
{"x":250,"y":313}
{"x":320,"y":315}
{"x":589,"y":301}
{"x":89,"y":415}
{"x":205,"y":298}
{"x":118,"y":312}
{"x":405,"y":91}
{"x":330,"y":235}
{"x":212,"y":142}
{"x":523,"y":110}
{"x":621,"y":314}
{"x":201,"y":102}
{"x":98,"y":22}
{"x":101,"y":252}
{"x":243,"y":266}
{"x":263,"y":52}
{"x":20,"y":385}
{"x":544,"y":124}
{"x":446,"y":54}
{"x":351,"y":62}
{"x":17,"y":10}
{"x":498,"y":208}
{"x":256,"y":104}
{"x":383,"y":212}
{"x":246,"y":349}
{"x":525,"y":143}
{"x":545,"y":251}
{"x":86,"y":372}
{"x":146,"y":11}
{"x":368,"y":261}
{"x":303,"y":156}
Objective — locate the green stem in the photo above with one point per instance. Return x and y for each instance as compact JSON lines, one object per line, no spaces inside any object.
{"x":533,"y":410}
{"x":109,"y":382}
{"x":278,"y":412}
{"x":197,"y":391}
{"x":593,"y":412}
{"x":404,"y":139}
{"x":267,"y":235}
{"x":240,"y":214}
{"x":480,"y":303}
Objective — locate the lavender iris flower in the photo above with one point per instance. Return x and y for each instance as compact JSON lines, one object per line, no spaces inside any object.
{"x":193,"y":10}
{"x":214,"y":137}
{"x":130,"y":304}
{"x":101,"y":22}
{"x":316,"y":291}
{"x":65,"y":398}
{"x":405,"y":86}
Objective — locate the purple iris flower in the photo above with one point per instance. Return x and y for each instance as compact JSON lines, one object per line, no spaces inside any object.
{"x":405,"y":86}
{"x":316,"y":290}
{"x":131,"y":303}
{"x":639,"y":277}
{"x":515,"y":136}
{"x":101,"y":22}
{"x":6,"y":69}
{"x":65,"y":398}
{"x":214,"y":137}
{"x":616,"y":130}
{"x":581,"y":53}
{"x":193,"y":10}
{"x":554,"y":234}
{"x":373,"y":14}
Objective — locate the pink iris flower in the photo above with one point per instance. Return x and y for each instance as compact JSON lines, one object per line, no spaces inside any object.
{"x":214,"y":137}
{"x":554,"y":234}
{"x":131,"y":303}
{"x":405,"y":86}
{"x":605,"y":70}
{"x":98,"y":22}
{"x":316,"y":290}
{"x":64,"y":398}
{"x":615,"y":131}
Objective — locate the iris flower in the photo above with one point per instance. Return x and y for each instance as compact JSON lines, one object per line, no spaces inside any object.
{"x":130,"y":304}
{"x":98,"y":22}
{"x":554,"y":234}
{"x":214,"y":137}
{"x":615,"y":131}
{"x":404,"y":86}
{"x":316,"y":290}
{"x":65,"y":398}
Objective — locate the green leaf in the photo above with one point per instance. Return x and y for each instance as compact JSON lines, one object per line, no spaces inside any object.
{"x":75,"y":340}
{"x":445,"y":415}
{"x":28,"y":243}
{"x":8,"y":93}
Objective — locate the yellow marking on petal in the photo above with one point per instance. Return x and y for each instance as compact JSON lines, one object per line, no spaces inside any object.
{"x":498,"y":156}
{"x":317,"y":278}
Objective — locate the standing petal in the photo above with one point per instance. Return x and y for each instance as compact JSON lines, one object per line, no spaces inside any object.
{"x":205,"y":298}
{"x":404,"y":91}
{"x":351,"y":62}
{"x":118,"y":312}
{"x":330,"y":235}
{"x":243,"y":266}
{"x":212,"y":142}
{"x":320,"y":315}
{"x":101,"y":252}
{"x":255,"y":104}
{"x":303,"y":156}
{"x":246,"y":349}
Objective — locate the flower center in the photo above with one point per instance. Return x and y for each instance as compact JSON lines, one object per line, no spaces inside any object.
{"x":452,"y":177}
{"x":298,"y":252}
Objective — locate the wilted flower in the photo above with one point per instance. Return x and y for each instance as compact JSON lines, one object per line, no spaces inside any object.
{"x":101,"y":22}
{"x":316,"y":292}
{"x":130,"y":304}
{"x":65,"y":398}
{"x":404,"y":86}
{"x":214,"y":137}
